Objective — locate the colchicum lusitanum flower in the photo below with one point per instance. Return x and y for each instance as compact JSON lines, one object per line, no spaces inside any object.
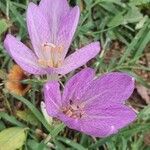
{"x":93,"y":106}
{"x":51,"y":27}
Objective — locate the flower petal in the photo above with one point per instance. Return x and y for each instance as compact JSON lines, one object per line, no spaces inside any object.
{"x":79,"y":58}
{"x":23,"y":55}
{"x":54,"y":11}
{"x":67,"y":28}
{"x":113,"y":87}
{"x":101,"y":121}
{"x":75,"y":85}
{"x":70,"y":122}
{"x":52,"y":97}
{"x":38,"y":28}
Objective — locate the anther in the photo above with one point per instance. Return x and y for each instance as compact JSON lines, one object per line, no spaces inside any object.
{"x":49,"y":45}
{"x":42,"y":62}
{"x":50,"y":63}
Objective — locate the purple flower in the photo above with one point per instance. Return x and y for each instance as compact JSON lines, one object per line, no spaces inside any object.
{"x":51,"y":27}
{"x":91,"y":105}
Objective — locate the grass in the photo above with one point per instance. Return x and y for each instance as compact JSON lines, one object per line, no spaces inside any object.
{"x":109,"y":21}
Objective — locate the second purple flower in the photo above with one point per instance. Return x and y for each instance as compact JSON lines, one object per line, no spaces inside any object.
{"x":93,"y":106}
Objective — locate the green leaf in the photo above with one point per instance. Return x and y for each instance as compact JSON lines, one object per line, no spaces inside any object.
{"x":4,"y":25}
{"x":17,"y":15}
{"x":141,"y":23}
{"x":12,"y":138}
{"x":145,"y":113}
{"x":27,"y":116}
{"x":139,"y":2}
{"x":134,"y":42}
{"x":33,"y":145}
{"x":35,"y":111}
{"x":57,"y":129}
{"x":100,"y":142}
{"x":11,"y":119}
{"x":3,"y":75}
{"x":116,"y":21}
{"x":2,"y":125}
{"x":145,"y":40}
{"x":133,"y":15}
{"x":71,"y":143}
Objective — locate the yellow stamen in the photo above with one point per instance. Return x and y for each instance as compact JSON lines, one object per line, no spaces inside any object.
{"x":52,"y":55}
{"x":60,"y":49}
{"x":42,"y":62}
{"x":50,"y":63}
{"x":59,"y":63}
{"x":50,"y":45}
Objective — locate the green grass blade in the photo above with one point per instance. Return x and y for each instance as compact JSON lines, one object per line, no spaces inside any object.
{"x":71,"y":143}
{"x":11,"y":119}
{"x":35,"y":111}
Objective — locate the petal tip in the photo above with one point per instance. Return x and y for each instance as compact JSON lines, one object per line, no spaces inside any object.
{"x":8,"y":36}
{"x":77,"y":9}
{"x":89,"y":70}
{"x":133,"y":79}
{"x":30,"y":8}
{"x":7,"y":41}
{"x":98,"y":45}
{"x":31,"y":4}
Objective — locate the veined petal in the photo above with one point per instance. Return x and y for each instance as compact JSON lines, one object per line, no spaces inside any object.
{"x":38,"y":28}
{"x":74,"y":87}
{"x":52,"y":97}
{"x":70,"y":122}
{"x":113,"y":87}
{"x":54,"y":11}
{"x":106,"y":120}
{"x":23,"y":56}
{"x":80,"y":57}
{"x":67,"y":28}
{"x":102,"y":123}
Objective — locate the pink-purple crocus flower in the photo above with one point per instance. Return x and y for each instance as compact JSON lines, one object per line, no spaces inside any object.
{"x":51,"y":27}
{"x":95,"y":106}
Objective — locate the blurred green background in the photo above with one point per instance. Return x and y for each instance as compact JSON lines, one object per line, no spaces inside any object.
{"x":123,"y":28}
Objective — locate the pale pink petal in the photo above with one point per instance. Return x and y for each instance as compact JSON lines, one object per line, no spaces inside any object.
{"x":38,"y":28}
{"x":101,"y":121}
{"x":79,"y":58}
{"x":76,"y":84}
{"x":52,"y":97}
{"x":113,"y":87}
{"x":67,"y":28}
{"x":23,"y":56}
{"x":54,"y":11}
{"x":70,"y":122}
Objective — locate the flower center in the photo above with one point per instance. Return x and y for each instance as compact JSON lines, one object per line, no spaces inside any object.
{"x":73,"y":110}
{"x":52,"y":55}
